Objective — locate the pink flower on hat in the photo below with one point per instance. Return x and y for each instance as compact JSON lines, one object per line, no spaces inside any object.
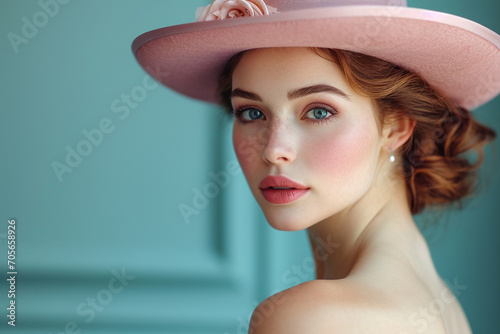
{"x":228,"y":9}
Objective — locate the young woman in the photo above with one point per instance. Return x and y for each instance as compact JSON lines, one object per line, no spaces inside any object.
{"x":348,"y":120}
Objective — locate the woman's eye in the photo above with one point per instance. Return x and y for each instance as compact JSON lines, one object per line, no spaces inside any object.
{"x":251,"y":114}
{"x":318,"y":113}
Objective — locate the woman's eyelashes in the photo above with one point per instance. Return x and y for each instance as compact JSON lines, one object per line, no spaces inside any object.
{"x":248,"y":114}
{"x":320,"y":113}
{"x":316,"y":114}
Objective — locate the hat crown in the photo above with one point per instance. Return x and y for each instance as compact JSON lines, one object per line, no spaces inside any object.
{"x":287,"y":5}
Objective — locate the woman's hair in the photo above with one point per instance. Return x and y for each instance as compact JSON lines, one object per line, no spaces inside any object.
{"x":434,"y":160}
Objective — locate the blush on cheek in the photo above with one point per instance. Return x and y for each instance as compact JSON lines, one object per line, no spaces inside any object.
{"x":249,"y":143}
{"x":345,"y":154}
{"x":248,"y":150}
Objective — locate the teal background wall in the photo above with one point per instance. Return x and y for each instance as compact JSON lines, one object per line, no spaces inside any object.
{"x":104,"y":248}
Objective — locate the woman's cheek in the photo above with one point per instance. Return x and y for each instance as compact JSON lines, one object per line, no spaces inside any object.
{"x":342,"y":152}
{"x":248,"y":148}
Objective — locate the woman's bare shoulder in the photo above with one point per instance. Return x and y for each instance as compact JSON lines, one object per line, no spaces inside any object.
{"x":340,"y":306}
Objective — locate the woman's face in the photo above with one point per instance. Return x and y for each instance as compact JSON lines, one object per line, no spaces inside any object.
{"x":309,"y":146}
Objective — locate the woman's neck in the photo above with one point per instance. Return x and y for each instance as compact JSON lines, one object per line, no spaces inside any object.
{"x":383,"y":213}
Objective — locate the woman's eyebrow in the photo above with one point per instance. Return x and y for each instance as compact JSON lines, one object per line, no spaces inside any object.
{"x":301,"y":92}
{"x":246,"y":95}
{"x":294,"y":94}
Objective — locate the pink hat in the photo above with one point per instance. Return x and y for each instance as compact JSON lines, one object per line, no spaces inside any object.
{"x":459,"y":58}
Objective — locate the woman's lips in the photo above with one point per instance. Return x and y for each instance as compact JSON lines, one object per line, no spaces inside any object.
{"x":279,"y":189}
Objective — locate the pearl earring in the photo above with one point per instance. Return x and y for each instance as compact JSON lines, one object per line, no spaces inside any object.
{"x":392,"y":158}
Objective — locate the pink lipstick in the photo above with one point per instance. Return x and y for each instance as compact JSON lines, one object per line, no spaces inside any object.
{"x":279,"y":189}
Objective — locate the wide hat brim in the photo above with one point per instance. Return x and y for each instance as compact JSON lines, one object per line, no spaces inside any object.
{"x":459,"y":58}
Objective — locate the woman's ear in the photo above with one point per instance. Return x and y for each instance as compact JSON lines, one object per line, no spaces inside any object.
{"x":397,"y":132}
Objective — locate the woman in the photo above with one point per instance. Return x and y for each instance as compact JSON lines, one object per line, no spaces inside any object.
{"x":336,"y":133}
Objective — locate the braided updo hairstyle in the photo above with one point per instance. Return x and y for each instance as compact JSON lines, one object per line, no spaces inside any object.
{"x":435,"y":161}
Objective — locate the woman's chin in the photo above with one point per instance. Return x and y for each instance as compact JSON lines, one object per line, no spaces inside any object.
{"x":286,"y":221}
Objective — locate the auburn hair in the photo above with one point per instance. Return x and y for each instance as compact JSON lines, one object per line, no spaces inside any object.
{"x":435,"y":160}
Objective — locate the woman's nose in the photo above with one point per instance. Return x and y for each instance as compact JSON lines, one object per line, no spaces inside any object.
{"x":279,"y":145}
